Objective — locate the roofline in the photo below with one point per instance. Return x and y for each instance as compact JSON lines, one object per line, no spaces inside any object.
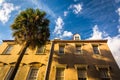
{"x":68,"y":40}
{"x":87,"y":41}
{"x":8,"y":40}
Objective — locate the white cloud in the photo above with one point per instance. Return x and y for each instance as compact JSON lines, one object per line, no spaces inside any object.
{"x":67,"y":34}
{"x":77,"y":8}
{"x":6,"y":10}
{"x":118,"y":29}
{"x":1,"y":1}
{"x":59,"y":31}
{"x":0,"y":41}
{"x":96,"y":33}
{"x":65,"y":13}
{"x":118,"y":11}
{"x":59,"y":25}
{"x":113,"y":42}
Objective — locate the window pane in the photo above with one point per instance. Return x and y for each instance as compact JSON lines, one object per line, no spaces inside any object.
{"x":33,"y":74}
{"x":60,"y":74}
{"x":78,"y":49}
{"x":95,"y":49}
{"x":61,"y":49}
{"x":9,"y":48}
{"x":76,"y":37}
{"x":26,"y":52}
{"x":9,"y":73}
{"x":104,"y":73}
{"x":82,"y":74}
{"x":40,"y":50}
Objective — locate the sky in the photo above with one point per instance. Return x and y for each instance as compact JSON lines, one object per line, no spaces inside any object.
{"x":92,"y":19}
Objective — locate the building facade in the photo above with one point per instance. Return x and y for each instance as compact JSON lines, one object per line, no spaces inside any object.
{"x":60,"y":60}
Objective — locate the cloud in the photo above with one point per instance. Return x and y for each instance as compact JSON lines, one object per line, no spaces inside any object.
{"x":113,"y":42}
{"x":117,"y":1}
{"x":59,"y":29}
{"x":96,"y":33}
{"x":67,"y":34}
{"x":65,"y":13}
{"x":59,"y":25}
{"x":118,"y":29}
{"x":44,"y":7}
{"x":6,"y":10}
{"x":77,"y":8}
{"x":118,"y":11}
{"x":1,"y":1}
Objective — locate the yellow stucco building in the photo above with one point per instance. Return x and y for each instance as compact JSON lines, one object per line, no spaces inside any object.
{"x":60,"y":60}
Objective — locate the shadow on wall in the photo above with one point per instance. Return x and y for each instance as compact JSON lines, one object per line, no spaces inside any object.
{"x":70,"y":57}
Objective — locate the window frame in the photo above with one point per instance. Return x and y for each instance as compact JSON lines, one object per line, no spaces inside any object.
{"x":63,"y":52}
{"x":80,"y":50}
{"x":8,"y":75}
{"x":104,"y":69}
{"x":8,"y":49}
{"x":42,"y":52}
{"x":82,"y":67}
{"x":63,"y":66}
{"x":77,"y":37}
{"x":29,"y":73}
{"x":95,"y":48}
{"x":58,"y":75}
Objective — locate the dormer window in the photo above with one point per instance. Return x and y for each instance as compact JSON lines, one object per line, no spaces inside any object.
{"x":76,"y":37}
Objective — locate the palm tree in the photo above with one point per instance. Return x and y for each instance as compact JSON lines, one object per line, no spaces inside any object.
{"x":30,"y":29}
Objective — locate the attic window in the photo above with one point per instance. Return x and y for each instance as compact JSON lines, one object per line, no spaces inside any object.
{"x":77,"y":38}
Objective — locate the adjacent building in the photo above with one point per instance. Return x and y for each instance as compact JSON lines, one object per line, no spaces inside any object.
{"x":60,"y":60}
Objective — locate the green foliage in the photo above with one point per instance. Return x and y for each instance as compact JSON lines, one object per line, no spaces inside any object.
{"x":31,"y":26}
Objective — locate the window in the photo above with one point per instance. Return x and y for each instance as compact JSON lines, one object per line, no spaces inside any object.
{"x":77,"y":38}
{"x":33,"y":73}
{"x":95,"y":49}
{"x":40,"y":50}
{"x":82,"y":73}
{"x":9,"y":73}
{"x":78,"y":49}
{"x":104,"y":74}
{"x":61,"y":49}
{"x":27,"y":50}
{"x":60,"y":74}
{"x":8,"y":49}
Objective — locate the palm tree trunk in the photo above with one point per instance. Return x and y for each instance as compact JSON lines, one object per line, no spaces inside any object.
{"x":19,"y":61}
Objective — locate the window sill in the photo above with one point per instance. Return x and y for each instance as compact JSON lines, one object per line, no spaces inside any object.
{"x":5,"y":54}
{"x":40,"y":54}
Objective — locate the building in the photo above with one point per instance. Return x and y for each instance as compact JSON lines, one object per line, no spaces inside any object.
{"x":60,"y":60}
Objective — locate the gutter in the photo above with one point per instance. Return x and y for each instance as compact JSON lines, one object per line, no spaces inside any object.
{"x":49,"y":62}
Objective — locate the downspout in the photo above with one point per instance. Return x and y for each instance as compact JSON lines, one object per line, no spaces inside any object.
{"x":49,"y":62}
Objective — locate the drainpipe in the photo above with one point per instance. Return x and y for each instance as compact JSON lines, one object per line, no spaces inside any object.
{"x":49,"y":62}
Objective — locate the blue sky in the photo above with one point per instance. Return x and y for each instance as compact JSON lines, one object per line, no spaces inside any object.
{"x":92,"y":19}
